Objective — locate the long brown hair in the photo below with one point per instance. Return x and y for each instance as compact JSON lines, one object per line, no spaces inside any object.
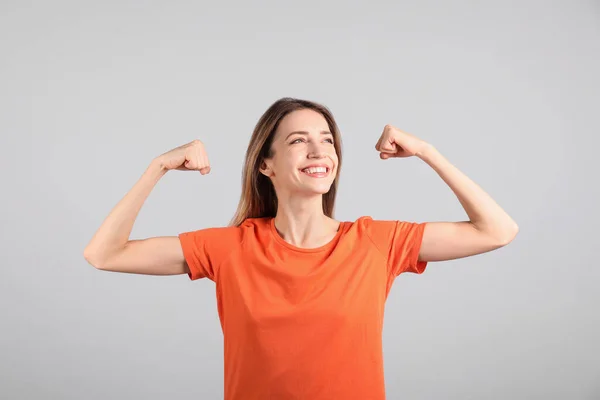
{"x":258,"y":198}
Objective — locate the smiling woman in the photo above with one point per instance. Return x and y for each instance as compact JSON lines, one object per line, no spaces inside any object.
{"x":301,"y":295}
{"x":291,"y":135}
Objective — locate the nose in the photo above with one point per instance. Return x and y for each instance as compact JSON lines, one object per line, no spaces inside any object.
{"x":315,"y":151}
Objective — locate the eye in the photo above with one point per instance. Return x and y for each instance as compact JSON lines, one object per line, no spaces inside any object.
{"x":296,"y":141}
{"x":329,"y":140}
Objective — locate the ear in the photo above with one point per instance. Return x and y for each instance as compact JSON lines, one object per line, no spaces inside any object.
{"x":265,"y":169}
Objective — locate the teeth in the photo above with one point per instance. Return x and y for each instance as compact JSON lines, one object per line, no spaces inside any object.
{"x":315,"y":170}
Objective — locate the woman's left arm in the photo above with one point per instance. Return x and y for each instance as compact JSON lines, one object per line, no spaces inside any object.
{"x":489,"y":226}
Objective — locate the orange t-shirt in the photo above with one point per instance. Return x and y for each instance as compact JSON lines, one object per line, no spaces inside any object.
{"x":303,"y":323}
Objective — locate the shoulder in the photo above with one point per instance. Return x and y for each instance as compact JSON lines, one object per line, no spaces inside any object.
{"x":367,"y":224}
{"x":383,"y":231}
{"x":229,"y":234}
{"x":205,"y":249}
{"x":370,"y":223}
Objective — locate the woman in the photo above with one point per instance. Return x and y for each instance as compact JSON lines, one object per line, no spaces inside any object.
{"x":300,"y":294}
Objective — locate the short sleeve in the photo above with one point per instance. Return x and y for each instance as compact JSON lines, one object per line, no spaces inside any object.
{"x":205,"y":249}
{"x":400,"y":241}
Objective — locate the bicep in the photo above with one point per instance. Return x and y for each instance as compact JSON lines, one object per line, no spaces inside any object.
{"x":152,"y":256}
{"x":451,"y":240}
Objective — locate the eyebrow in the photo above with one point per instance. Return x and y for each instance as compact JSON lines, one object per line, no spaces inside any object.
{"x":306,"y":133}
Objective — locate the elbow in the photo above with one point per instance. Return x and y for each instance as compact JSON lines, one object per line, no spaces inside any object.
{"x":92,"y":258}
{"x":509,"y":235}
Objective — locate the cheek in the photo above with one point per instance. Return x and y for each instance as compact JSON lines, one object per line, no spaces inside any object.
{"x":288,"y":168}
{"x":334,"y":158}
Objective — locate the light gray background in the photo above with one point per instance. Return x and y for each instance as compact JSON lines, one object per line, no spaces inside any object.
{"x":90,"y":92}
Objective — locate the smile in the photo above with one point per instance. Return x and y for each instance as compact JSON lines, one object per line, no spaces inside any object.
{"x":316,"y":172}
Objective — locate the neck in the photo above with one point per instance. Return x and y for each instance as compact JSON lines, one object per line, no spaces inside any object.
{"x":301,"y":222}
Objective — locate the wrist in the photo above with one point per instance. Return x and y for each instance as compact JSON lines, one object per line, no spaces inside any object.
{"x":156,"y":169}
{"x":426,"y":151}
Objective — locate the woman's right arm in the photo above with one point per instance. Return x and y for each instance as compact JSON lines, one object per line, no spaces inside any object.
{"x":110,"y":248}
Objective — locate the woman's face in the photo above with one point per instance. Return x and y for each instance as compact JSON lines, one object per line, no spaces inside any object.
{"x":304,"y":160}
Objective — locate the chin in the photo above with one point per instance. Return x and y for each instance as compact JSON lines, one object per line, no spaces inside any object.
{"x":319,"y":189}
{"x":314,"y":188}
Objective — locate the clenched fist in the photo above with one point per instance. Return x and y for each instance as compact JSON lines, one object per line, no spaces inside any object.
{"x":189,"y":157}
{"x":396,"y":143}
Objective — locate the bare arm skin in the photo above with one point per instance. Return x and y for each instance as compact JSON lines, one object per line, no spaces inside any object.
{"x":110,"y":248}
{"x":489,"y":226}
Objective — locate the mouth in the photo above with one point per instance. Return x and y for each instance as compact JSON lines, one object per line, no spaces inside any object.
{"x":320,"y":171}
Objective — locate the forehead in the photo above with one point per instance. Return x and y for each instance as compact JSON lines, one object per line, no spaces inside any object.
{"x":302,"y":120}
